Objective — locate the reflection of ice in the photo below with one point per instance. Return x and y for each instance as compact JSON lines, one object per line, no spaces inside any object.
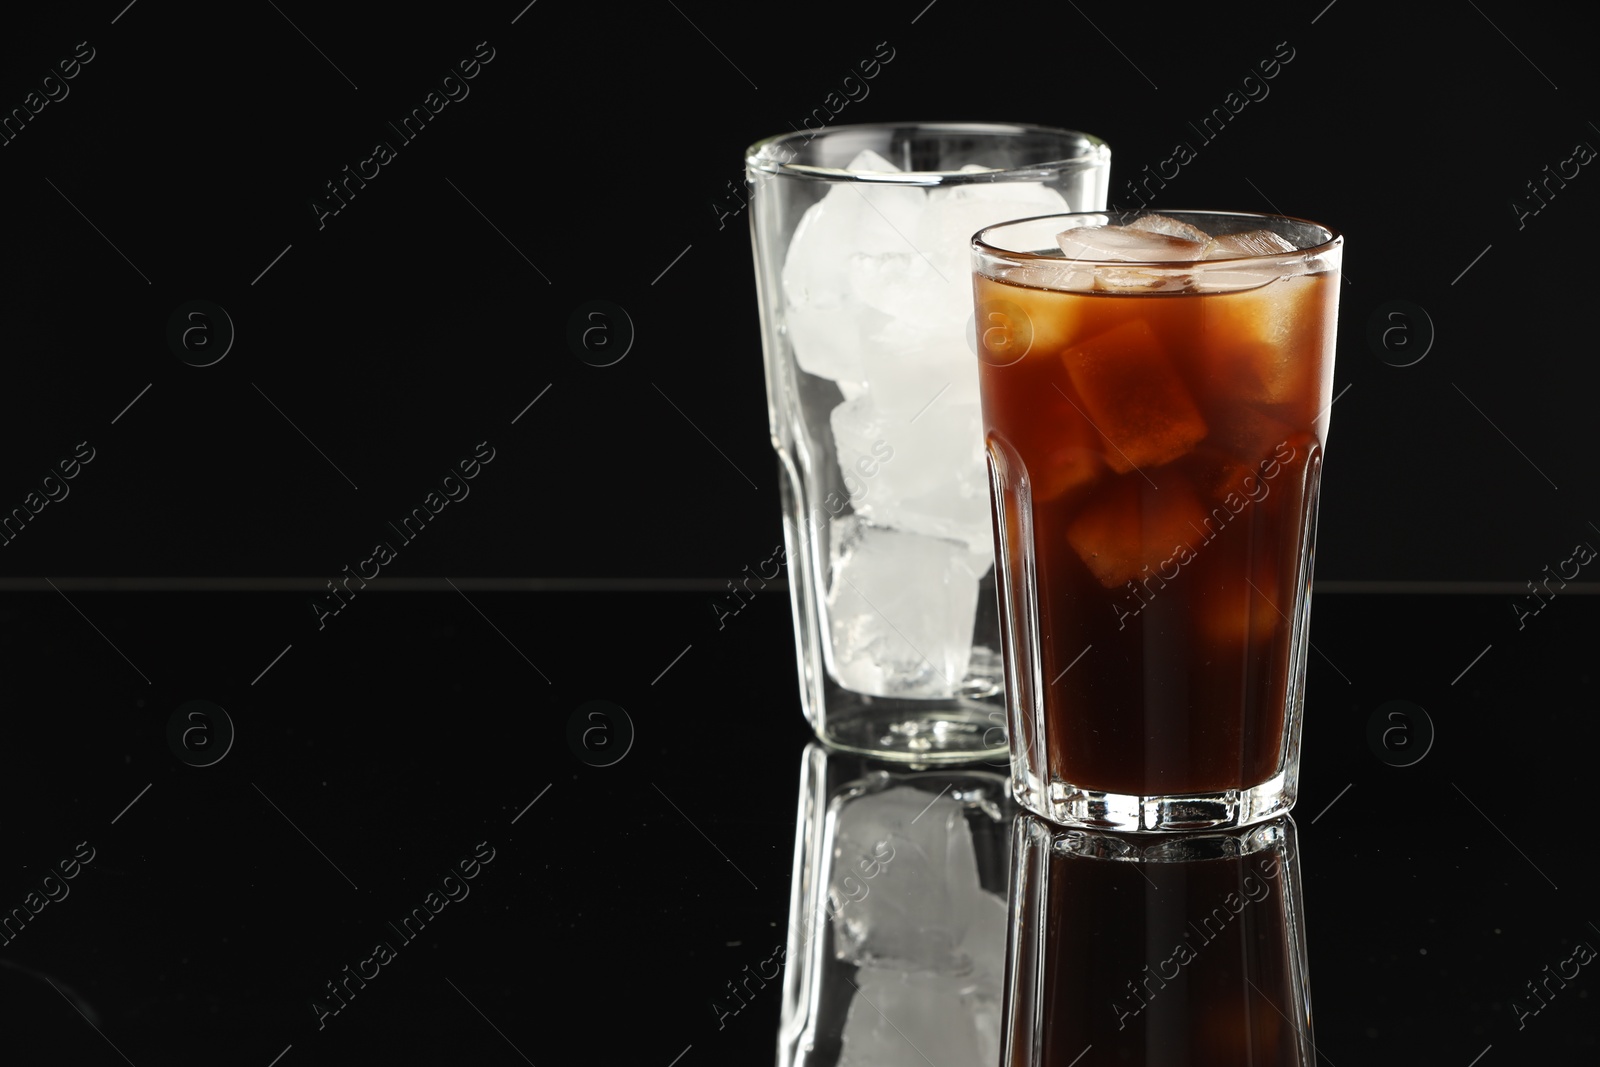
{"x":985,"y":943}
{"x":906,"y":1019}
{"x":927,"y":939}
{"x":901,"y":610}
{"x":877,"y":297}
{"x":915,"y":909}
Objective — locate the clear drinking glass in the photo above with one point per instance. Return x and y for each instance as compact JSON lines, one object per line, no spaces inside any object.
{"x":861,"y":253}
{"x":1155,"y":424}
{"x":1189,"y":951}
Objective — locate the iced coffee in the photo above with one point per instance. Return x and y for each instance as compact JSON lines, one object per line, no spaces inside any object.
{"x":1155,"y":395}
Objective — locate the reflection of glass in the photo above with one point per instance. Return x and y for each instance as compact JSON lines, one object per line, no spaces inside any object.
{"x":897,"y":915}
{"x":864,"y":285}
{"x":1186,"y":952}
{"x":1156,"y":396}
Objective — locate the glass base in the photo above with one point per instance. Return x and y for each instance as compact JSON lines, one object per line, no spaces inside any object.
{"x":1069,"y":805}
{"x":907,"y":731}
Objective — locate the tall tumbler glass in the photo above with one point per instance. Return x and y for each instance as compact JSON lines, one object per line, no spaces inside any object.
{"x":861,"y":253}
{"x":1156,"y":393}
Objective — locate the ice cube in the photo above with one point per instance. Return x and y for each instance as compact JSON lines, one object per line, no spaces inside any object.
{"x":919,"y":473}
{"x":1030,"y":318}
{"x":887,"y":317}
{"x":1249,"y":243}
{"x":905,"y":286}
{"x":826,"y":336}
{"x":900,"y":1020}
{"x":1124,"y":244}
{"x":919,"y":371}
{"x":926,"y":292}
{"x":1120,"y":243}
{"x":1253,"y":243}
{"x":956,"y":212}
{"x":1128,"y":526}
{"x":1268,"y":343}
{"x":1231,"y":482}
{"x":1135,"y":397}
{"x":904,"y":882}
{"x":901,"y":610}
{"x":1238,"y":611}
{"x":825,"y":322}
{"x":1063,"y":468}
{"x":869,"y":162}
{"x":1058,"y":449}
{"x":1249,"y":435}
{"x":1058,"y":274}
{"x":1240,"y":448}
{"x":1170,"y":227}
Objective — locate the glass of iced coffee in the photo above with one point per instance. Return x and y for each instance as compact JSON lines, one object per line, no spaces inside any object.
{"x":1156,"y":394}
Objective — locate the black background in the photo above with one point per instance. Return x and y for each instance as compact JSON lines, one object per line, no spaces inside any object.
{"x":592,"y":161}
{"x":600,"y":142}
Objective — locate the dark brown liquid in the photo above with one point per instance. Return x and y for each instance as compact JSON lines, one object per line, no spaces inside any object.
{"x":1157,"y":455}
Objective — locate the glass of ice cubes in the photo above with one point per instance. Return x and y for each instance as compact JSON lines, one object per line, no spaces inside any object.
{"x":861,"y":237}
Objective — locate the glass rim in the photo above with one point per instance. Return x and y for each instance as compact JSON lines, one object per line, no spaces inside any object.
{"x":1333,"y":243}
{"x":1097,"y":153}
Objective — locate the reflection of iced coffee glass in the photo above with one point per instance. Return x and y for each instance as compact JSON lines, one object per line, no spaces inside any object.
{"x":1187,"y":950}
{"x":1155,"y":397}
